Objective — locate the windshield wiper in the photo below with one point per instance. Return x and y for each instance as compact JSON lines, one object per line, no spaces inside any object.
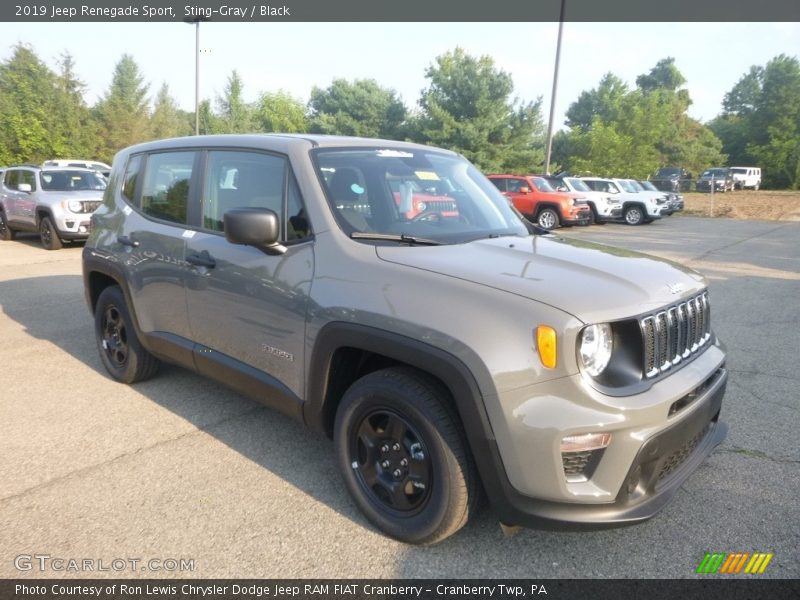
{"x":391,"y":237}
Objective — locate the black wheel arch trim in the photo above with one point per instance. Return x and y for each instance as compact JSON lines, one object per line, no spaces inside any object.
{"x":459,"y":379}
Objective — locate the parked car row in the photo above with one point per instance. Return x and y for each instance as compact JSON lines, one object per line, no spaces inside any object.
{"x":552,"y":202}
{"x":725,"y":179}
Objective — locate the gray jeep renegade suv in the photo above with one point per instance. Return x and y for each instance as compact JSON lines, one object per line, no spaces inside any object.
{"x":386,"y":294}
{"x":55,"y":202}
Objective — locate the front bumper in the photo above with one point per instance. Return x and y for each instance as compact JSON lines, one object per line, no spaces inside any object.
{"x":653,"y":451}
{"x":75,"y":226}
{"x":581,"y":218}
{"x":613,"y":214}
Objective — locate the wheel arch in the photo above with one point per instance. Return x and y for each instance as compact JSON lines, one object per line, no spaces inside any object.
{"x":343,"y":352}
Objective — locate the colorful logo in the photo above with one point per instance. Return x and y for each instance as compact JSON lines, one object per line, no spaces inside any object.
{"x":734,"y":563}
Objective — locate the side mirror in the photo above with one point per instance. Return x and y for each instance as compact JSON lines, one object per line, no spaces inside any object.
{"x":259,"y":227}
{"x":24,"y":187}
{"x":524,"y":190}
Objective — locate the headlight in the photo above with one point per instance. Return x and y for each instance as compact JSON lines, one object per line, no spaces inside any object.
{"x":75,"y":206}
{"x":596,"y":344}
{"x":421,"y":206}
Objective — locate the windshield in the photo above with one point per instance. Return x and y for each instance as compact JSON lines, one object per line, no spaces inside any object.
{"x":542,"y":185}
{"x":578,"y":185}
{"x":648,"y":186}
{"x":415,"y":193}
{"x":626,"y":185}
{"x":72,"y":181}
{"x":715,"y":173}
{"x":668,"y":172}
{"x":739,"y":171}
{"x":636,"y":186}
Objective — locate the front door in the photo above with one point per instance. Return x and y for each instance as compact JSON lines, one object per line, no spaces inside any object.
{"x":243,"y":303}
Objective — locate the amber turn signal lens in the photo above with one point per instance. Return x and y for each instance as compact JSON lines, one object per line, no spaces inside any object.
{"x":546,"y":345}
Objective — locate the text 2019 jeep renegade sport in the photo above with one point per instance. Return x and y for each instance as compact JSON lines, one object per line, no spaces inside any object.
{"x":446,"y":348}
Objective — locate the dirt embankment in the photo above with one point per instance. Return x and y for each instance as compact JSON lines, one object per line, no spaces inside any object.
{"x":745,"y":204}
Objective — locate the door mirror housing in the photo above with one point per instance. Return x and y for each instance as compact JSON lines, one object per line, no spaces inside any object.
{"x":259,"y":227}
{"x":24,"y":187}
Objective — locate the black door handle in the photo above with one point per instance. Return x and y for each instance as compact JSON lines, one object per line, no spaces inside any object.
{"x":201,"y":260}
{"x":127,"y":241}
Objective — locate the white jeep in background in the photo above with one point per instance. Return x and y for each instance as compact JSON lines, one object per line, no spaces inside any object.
{"x":636,"y":208}
{"x":746,"y":177}
{"x":605,"y":206}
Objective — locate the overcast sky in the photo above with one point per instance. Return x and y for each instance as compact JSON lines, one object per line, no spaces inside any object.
{"x":296,"y":56}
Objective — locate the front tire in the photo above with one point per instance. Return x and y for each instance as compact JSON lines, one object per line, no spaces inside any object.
{"x":403,"y":455}
{"x":634,"y":215}
{"x":48,"y":234}
{"x":547,"y":219}
{"x":122,"y":353}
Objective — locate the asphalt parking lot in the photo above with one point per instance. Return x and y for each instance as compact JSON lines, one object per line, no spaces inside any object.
{"x":180,"y":467}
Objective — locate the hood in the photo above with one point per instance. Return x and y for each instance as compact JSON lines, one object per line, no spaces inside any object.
{"x":592,"y":282}
{"x":74,"y":195}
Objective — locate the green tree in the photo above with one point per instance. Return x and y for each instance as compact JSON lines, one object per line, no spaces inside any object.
{"x":467,"y":107}
{"x":605,"y":102}
{"x":74,"y":130}
{"x":167,"y":119}
{"x":27,"y":100}
{"x":774,"y":124}
{"x":645,"y":127}
{"x":361,"y":108}
{"x":209,"y":123}
{"x":760,"y":122}
{"x":280,"y":111}
{"x":122,"y":113}
{"x":234,"y":114}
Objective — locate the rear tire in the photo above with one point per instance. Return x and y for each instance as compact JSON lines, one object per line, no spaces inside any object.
{"x":122,"y":353}
{"x":6,"y":233}
{"x":402,"y":452}
{"x":48,"y":234}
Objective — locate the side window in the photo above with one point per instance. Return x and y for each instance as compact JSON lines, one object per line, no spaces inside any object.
{"x":28,"y":177}
{"x":297,"y":224}
{"x":500,"y":184}
{"x":514,"y":185}
{"x":165,"y":191}
{"x":11,"y":179}
{"x":131,"y":175}
{"x":251,"y":179}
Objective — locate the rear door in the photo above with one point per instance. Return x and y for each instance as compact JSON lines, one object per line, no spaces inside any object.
{"x":247,"y":308}
{"x":152,"y":239}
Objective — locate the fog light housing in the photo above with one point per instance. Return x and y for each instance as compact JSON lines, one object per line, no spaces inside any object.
{"x":580,"y":455}
{"x":585,"y":441}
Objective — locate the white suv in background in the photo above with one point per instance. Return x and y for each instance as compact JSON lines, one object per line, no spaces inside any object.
{"x":746,"y":177}
{"x":636,"y":208}
{"x":605,"y":207}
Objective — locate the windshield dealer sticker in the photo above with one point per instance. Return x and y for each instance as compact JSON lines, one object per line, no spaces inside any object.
{"x":188,"y":233}
{"x":127,"y":210}
{"x":394,"y":154}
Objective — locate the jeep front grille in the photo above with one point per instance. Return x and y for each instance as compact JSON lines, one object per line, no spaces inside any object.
{"x":679,"y":456}
{"x":675,"y":334}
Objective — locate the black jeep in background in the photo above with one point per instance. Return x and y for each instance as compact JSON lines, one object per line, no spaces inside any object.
{"x":672,"y":179}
